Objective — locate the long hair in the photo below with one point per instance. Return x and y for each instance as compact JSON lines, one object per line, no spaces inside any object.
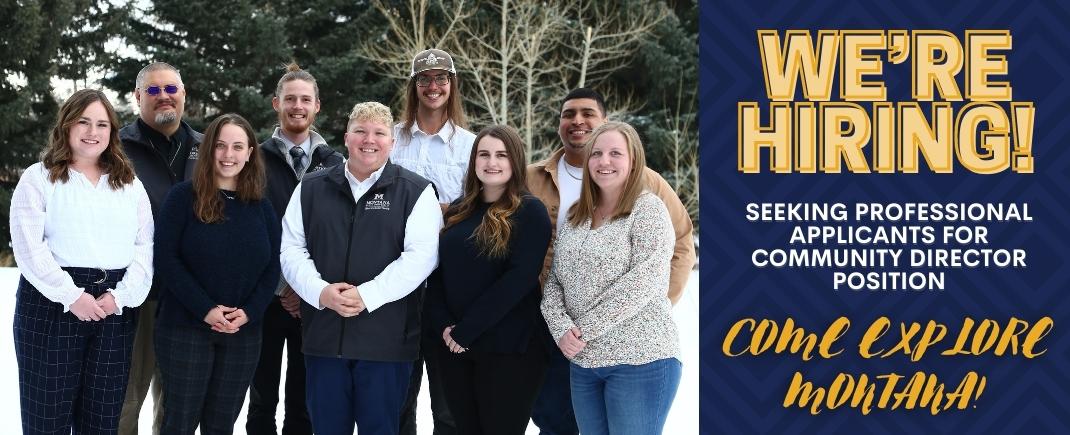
{"x":454,"y":108}
{"x":207,"y":204}
{"x":58,"y":157}
{"x":493,"y":233}
{"x":590,"y":193}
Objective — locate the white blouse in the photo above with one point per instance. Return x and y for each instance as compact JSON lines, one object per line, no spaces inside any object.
{"x":77,"y":224}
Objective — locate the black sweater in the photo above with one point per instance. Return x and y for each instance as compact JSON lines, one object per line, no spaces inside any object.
{"x":234,"y":263}
{"x":494,"y":302}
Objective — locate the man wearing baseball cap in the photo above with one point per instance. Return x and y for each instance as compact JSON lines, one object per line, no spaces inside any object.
{"x":431,"y":138}
{"x":432,"y":141}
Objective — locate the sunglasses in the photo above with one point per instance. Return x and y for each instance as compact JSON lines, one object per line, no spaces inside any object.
{"x":155,"y":90}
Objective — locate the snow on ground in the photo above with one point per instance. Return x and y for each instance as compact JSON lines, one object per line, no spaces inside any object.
{"x":683,"y":418}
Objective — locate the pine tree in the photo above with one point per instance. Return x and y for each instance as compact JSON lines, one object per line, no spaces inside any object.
{"x":231,"y":54}
{"x":224,"y":50}
{"x":44,"y":41}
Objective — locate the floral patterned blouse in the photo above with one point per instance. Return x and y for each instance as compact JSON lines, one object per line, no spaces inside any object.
{"x":611,"y":282}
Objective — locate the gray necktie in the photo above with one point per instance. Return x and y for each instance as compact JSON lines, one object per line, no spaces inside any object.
{"x":298,"y":156}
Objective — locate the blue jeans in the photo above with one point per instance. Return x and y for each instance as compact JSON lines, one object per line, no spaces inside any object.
{"x":624,"y":399}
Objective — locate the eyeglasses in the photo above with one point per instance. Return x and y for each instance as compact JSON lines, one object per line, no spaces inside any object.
{"x":155,"y":90}
{"x":440,"y":79}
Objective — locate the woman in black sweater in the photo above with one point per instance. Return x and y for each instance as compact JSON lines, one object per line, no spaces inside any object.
{"x":217,"y":255}
{"x":484,"y":298}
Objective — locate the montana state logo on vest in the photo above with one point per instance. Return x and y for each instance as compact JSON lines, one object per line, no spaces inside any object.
{"x":377,"y":203}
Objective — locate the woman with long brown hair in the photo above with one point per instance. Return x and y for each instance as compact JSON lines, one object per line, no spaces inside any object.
{"x":483,"y":301}
{"x":217,"y":253}
{"x":81,"y":231}
{"x":605,"y":299}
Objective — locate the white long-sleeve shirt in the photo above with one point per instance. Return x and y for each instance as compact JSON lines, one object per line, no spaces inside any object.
{"x":418,"y":258}
{"x":441,"y":158}
{"x":78,"y":224}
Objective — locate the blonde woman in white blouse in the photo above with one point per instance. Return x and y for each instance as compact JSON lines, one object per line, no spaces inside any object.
{"x":605,"y":299}
{"x":81,"y":231}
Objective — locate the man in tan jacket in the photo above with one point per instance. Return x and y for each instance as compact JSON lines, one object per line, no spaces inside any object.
{"x":556,"y":181}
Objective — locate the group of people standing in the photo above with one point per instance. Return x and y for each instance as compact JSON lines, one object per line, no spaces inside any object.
{"x":539,"y":291}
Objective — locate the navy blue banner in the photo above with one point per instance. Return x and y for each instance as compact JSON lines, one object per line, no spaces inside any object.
{"x":884,"y":237}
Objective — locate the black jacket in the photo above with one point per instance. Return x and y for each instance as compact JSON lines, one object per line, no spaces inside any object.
{"x":152,"y":169}
{"x":353,"y":242}
{"x":281,"y":179}
{"x":151,"y":166}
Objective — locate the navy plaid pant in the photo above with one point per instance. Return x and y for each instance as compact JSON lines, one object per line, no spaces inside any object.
{"x":72,"y":373}
{"x":205,"y":376}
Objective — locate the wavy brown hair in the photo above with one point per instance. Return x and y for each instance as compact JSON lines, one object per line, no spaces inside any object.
{"x":207,"y":203}
{"x":590,"y":193}
{"x":58,"y":157}
{"x":493,"y":234}
{"x":454,"y":108}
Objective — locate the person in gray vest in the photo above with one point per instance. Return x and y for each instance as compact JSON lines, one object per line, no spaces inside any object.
{"x":292,"y":151}
{"x":359,"y":239}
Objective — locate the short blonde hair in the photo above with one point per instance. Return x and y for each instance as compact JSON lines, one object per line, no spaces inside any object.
{"x":371,"y":111}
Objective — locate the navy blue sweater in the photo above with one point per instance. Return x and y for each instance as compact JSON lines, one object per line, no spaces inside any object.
{"x":494,"y":302}
{"x":234,"y":263}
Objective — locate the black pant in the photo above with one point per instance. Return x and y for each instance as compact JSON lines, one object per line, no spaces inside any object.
{"x":72,"y":373}
{"x":491,"y":393}
{"x":440,"y":413}
{"x":206,"y":375}
{"x":280,"y":329}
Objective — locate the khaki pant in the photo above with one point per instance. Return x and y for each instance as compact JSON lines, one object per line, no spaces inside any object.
{"x":142,"y":371}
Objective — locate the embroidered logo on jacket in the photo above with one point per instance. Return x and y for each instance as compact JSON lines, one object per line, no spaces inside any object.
{"x":377,"y":203}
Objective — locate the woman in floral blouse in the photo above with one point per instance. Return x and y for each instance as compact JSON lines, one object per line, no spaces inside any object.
{"x":605,"y":299}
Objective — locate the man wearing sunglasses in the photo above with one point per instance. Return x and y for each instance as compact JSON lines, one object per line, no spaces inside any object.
{"x":163,"y":150}
{"x":431,"y":140}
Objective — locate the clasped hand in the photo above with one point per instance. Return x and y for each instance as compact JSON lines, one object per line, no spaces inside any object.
{"x":291,"y":302}
{"x":447,"y":337}
{"x":343,"y":298}
{"x":87,"y":308}
{"x":226,"y":319}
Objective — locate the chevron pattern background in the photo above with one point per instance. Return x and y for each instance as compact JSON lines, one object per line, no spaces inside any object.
{"x":744,"y":394}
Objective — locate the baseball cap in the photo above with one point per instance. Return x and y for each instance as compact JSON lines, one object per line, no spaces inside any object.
{"x":432,"y":59}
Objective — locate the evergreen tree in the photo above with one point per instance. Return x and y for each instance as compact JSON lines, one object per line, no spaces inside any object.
{"x":664,"y":76}
{"x":43,"y":41}
{"x":224,"y":50}
{"x":326,"y":44}
{"x":231,"y":54}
